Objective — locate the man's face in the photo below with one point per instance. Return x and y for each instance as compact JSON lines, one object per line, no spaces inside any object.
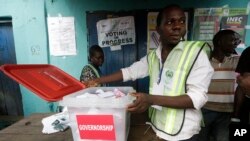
{"x":97,"y":59}
{"x":229,"y":43}
{"x":172,"y":27}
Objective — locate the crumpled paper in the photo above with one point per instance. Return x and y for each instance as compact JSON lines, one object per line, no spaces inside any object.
{"x":56,"y":123}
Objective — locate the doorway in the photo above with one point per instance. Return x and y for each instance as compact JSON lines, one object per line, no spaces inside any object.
{"x":128,"y":54}
{"x":10,"y":95}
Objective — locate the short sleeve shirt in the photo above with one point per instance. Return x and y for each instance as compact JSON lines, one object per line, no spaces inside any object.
{"x":88,"y":73}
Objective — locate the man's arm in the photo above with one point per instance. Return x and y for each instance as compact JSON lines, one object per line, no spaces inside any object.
{"x":117,"y":76}
{"x":242,"y":90}
{"x":143,"y":101}
{"x":137,"y":70}
{"x":244,"y":82}
{"x":197,"y":85}
{"x":238,"y":101}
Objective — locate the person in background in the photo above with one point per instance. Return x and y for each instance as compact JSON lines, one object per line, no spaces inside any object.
{"x":180,"y":73}
{"x":96,"y":59}
{"x":242,"y":95}
{"x":217,"y":111}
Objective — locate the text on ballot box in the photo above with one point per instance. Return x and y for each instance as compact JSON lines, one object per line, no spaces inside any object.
{"x":96,"y":127}
{"x":96,"y":118}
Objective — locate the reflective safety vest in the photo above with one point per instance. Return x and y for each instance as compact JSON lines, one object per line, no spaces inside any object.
{"x":175,"y":70}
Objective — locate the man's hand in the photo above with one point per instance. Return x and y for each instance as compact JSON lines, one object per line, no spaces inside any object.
{"x":140,"y":104}
{"x":90,"y":83}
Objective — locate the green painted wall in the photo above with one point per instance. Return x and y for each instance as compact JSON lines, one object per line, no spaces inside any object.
{"x":31,"y":40}
{"x":28,"y":18}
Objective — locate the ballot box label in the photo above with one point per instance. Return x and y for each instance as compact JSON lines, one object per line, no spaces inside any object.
{"x":96,"y":127}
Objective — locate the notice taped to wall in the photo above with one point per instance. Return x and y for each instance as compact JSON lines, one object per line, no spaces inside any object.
{"x":61,"y":32}
{"x":116,"y":31}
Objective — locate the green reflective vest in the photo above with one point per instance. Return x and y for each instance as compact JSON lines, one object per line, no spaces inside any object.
{"x":173,"y":74}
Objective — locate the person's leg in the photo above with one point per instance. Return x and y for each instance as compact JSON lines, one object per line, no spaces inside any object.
{"x":208,"y":117}
{"x":248,"y":110}
{"x":244,"y":114}
{"x":221,"y":130}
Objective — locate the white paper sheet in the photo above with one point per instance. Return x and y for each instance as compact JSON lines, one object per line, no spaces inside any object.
{"x":61,"y":32}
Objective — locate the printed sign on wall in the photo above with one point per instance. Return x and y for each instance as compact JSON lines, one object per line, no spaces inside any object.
{"x":153,"y":36}
{"x":116,"y":31}
{"x":61,"y":32}
{"x":206,"y":23}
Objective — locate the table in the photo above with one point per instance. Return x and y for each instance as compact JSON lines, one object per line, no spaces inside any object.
{"x":30,"y":129}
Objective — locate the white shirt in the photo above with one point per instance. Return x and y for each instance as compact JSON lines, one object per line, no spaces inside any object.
{"x":197,"y":86}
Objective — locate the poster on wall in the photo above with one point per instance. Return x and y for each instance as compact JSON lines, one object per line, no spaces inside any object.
{"x":153,"y":36}
{"x":236,"y":23}
{"x":116,"y":31}
{"x":236,"y":20}
{"x":206,"y":23}
{"x":61,"y":32}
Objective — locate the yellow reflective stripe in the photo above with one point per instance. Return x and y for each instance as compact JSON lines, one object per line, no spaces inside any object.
{"x":153,"y":112}
{"x":186,"y":65}
{"x":173,"y":91}
{"x":152,"y":63}
{"x":183,"y":65}
{"x":185,"y":62}
{"x":152,"y":56}
{"x":150,"y":69}
{"x":149,"y":62}
{"x":170,"y":119}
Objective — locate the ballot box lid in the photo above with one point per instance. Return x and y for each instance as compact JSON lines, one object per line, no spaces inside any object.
{"x":47,"y":81}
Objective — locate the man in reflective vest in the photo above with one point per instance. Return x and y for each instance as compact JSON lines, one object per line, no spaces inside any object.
{"x":180,"y":73}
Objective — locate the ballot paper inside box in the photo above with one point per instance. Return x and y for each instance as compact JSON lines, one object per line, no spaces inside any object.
{"x":98,"y":118}
{"x":90,"y":118}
